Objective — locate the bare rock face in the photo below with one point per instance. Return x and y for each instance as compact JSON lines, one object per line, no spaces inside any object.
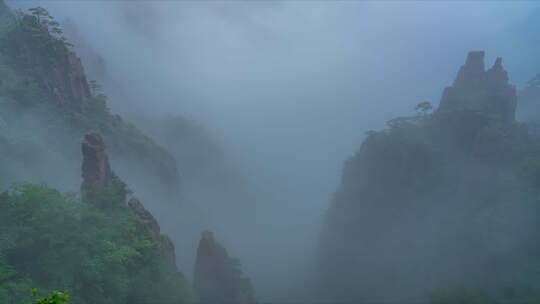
{"x":490,"y":102}
{"x":151,"y":225}
{"x":96,"y":171}
{"x":472,"y":72}
{"x":217,"y":277}
{"x":95,"y":66}
{"x":486,"y":92}
{"x":68,"y":83}
{"x":76,"y":79}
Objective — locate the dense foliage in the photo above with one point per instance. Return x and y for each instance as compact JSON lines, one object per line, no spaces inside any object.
{"x":100,"y":256}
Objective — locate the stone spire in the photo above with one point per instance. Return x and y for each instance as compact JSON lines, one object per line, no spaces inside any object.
{"x":472,"y":72}
{"x":484,"y":92}
{"x":96,"y":172}
{"x":497,"y":75}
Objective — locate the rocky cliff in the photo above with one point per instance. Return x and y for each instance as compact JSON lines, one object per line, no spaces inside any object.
{"x":36,"y":47}
{"x":478,"y":90}
{"x":150,"y":224}
{"x":96,"y":171}
{"x":424,"y":203}
{"x":48,"y":104}
{"x":99,"y":182}
{"x":218,"y":277}
{"x":69,"y":84}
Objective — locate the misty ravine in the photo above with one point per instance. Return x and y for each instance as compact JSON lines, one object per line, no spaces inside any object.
{"x":237,"y":152}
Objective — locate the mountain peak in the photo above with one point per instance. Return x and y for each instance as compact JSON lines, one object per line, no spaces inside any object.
{"x":477,"y":90}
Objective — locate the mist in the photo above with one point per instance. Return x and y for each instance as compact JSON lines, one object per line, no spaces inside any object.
{"x":288,"y":88}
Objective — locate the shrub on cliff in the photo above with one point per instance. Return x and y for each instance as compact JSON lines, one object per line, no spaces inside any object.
{"x":56,"y":297}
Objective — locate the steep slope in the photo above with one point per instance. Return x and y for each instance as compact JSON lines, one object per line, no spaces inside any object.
{"x":434,"y":200}
{"x":47,"y":104}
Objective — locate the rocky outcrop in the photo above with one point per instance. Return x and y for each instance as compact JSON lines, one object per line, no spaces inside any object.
{"x":98,"y":176}
{"x":150,"y":224}
{"x":35,"y":45}
{"x":96,"y":171}
{"x":65,"y":78}
{"x":480,"y":108}
{"x":412,"y":212}
{"x":218,"y":277}
{"x":69,"y":84}
{"x":475,"y":89}
{"x":95,"y":66}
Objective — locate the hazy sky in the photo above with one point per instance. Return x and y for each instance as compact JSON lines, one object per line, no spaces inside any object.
{"x":292,"y":86}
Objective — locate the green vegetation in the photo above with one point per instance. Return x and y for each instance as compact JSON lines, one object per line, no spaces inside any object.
{"x":423,"y":108}
{"x":54,"y":241}
{"x":56,"y":297}
{"x":34,"y":41}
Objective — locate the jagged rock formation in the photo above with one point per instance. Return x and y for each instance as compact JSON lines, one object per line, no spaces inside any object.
{"x":69,"y":84}
{"x":59,"y":71}
{"x":96,"y":171}
{"x":217,"y":277}
{"x":419,"y":203}
{"x":476,"y":89}
{"x":151,"y":225}
{"x":98,"y":176}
